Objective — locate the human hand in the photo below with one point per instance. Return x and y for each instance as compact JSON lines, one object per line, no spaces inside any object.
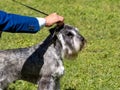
{"x":54,"y":19}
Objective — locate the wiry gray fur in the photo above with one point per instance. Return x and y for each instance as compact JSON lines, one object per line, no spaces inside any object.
{"x":42,"y":63}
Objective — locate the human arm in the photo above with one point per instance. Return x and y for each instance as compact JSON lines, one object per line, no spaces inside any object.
{"x":17,"y":23}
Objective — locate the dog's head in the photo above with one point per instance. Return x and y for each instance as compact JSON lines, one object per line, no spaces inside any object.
{"x":70,"y":39}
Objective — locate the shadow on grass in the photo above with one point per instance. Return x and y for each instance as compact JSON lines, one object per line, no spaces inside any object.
{"x":70,"y":88}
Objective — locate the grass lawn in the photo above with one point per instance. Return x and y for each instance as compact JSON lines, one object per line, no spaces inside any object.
{"x":98,"y":66}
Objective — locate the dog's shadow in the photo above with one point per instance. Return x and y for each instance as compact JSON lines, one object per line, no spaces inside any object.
{"x":70,"y":88}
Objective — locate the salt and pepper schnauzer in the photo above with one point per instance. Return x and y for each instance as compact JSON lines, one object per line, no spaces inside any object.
{"x":42,"y":63}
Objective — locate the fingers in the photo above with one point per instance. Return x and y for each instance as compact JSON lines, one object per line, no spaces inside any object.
{"x":61,"y":21}
{"x":54,"y":18}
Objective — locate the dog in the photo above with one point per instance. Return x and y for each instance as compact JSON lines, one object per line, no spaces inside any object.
{"x":41,"y":64}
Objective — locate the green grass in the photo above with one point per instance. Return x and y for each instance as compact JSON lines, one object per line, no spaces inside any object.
{"x":98,"y":65}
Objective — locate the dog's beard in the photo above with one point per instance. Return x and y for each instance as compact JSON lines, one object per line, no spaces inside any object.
{"x":69,"y":54}
{"x":72,"y":53}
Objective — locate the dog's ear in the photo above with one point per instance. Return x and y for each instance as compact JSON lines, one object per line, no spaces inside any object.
{"x":56,"y":29}
{"x":59,"y":28}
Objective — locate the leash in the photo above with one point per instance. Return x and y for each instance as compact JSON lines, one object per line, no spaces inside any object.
{"x":39,"y":11}
{"x":59,"y":25}
{"x":31,"y":8}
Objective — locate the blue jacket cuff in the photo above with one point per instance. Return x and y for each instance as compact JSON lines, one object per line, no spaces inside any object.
{"x":41,"y":22}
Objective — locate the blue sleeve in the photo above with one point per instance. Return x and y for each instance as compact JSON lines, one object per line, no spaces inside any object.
{"x":17,"y":23}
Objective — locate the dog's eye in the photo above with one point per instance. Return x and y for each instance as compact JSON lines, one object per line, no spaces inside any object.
{"x":69,"y":34}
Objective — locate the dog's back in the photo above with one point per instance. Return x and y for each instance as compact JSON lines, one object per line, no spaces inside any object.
{"x":11,"y":62}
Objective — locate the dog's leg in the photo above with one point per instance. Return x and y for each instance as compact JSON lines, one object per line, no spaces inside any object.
{"x":46,"y":83}
{"x":57,"y":84}
{"x":3,"y":77}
